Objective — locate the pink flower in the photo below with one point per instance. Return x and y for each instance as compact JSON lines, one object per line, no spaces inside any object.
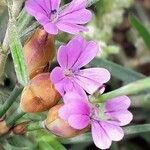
{"x":105,"y":121}
{"x":49,"y":15}
{"x":71,"y":58}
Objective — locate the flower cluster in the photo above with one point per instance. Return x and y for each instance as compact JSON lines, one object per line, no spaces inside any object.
{"x":74,"y":81}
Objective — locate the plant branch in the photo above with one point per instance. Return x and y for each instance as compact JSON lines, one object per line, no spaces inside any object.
{"x":130,"y":89}
{"x":15,"y":93}
{"x":34,"y":126}
{"x":137,"y":129}
{"x":10,"y":121}
{"x":129,"y":130}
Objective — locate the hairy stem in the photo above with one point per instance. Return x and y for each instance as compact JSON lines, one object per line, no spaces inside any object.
{"x":15,"y":93}
{"x":14,"y":117}
{"x":34,"y":126}
{"x":130,"y":89}
{"x":129,"y":130}
{"x":137,"y":129}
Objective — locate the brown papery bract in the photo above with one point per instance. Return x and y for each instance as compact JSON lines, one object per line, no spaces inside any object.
{"x":58,"y":126}
{"x":20,"y":129}
{"x":40,"y":95}
{"x":39,"y":51}
{"x":3,"y":128}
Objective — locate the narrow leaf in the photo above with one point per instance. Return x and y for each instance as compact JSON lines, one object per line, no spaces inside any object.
{"x":23,"y":20}
{"x":17,"y":52}
{"x":91,"y":2}
{"x":139,"y":27}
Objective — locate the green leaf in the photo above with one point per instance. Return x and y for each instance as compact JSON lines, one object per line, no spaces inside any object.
{"x":52,"y":141}
{"x":44,"y":146}
{"x":17,"y":142}
{"x":117,"y":71}
{"x":139,"y":27}
{"x":17,"y":51}
{"x":23,"y":20}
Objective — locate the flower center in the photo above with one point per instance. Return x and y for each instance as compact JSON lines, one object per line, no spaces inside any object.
{"x":68,"y":73}
{"x":98,"y":112}
{"x":54,"y":15}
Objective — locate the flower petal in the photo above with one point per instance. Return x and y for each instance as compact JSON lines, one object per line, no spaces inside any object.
{"x":42,"y":19}
{"x":73,"y":97}
{"x":64,"y":86}
{"x":114,"y":132}
{"x":57,"y":75}
{"x":123,"y":116}
{"x":102,"y":89}
{"x":64,"y":112}
{"x":75,"y":5}
{"x":92,"y":79}
{"x":77,"y":17}
{"x":70,"y":27}
{"x":62,"y":56}
{"x":65,"y":57}
{"x":83,"y":52}
{"x":74,"y":108}
{"x":59,"y":87}
{"x":79,"y":121}
{"x":89,"y":51}
{"x":117,"y":104}
{"x":51,"y":28}
{"x":54,"y":4}
{"x":34,"y":6}
{"x":100,"y":137}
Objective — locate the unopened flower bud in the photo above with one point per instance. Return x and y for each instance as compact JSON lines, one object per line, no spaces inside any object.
{"x":40,"y":95}
{"x":3,"y":128}
{"x":58,"y":126}
{"x":39,"y":50}
{"x":20,"y":128}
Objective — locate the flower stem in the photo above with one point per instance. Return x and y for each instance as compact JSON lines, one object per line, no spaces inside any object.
{"x":137,"y":129}
{"x":3,"y":58}
{"x":129,"y":130}
{"x":15,"y":93}
{"x":35,"y":126}
{"x":130,"y":89}
{"x":14,"y":117}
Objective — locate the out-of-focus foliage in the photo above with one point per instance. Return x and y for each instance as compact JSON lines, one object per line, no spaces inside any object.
{"x":144,"y":33}
{"x":108,"y":15}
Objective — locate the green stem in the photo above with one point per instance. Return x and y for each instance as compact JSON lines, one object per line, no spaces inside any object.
{"x":130,"y":89}
{"x":15,"y":93}
{"x":137,"y":129}
{"x":35,"y":126}
{"x":129,"y":130}
{"x":3,"y":59}
{"x":14,"y":117}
